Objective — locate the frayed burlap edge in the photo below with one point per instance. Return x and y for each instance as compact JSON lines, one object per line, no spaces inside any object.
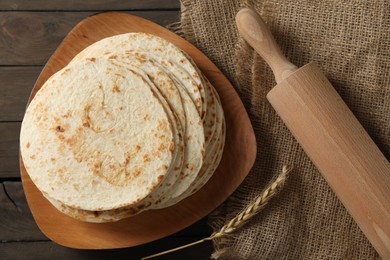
{"x":186,"y":22}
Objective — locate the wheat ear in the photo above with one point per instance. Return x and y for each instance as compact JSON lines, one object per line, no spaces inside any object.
{"x":238,"y":221}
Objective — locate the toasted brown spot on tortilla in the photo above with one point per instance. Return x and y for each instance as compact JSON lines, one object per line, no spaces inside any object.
{"x":160,"y":178}
{"x":190,"y":166}
{"x":128,"y":156}
{"x":60,"y":129}
{"x":141,"y":206}
{"x":52,"y":159}
{"x":62,"y":170}
{"x":137,"y":147}
{"x":166,"y":167}
{"x":136,"y":173}
{"x":147,"y":117}
{"x":87,"y":107}
{"x":107,"y":52}
{"x":162,"y":147}
{"x":67,"y":115}
{"x":119,"y":75}
{"x":113,"y":57}
{"x":133,"y":211}
{"x":92,"y":59}
{"x":76,"y":187}
{"x":65,"y":71}
{"x":28,"y":145}
{"x":140,"y":60}
{"x":147,"y":158}
{"x":32,"y":157}
{"x":116,"y":89}
{"x":97,"y":167}
{"x":184,"y":176}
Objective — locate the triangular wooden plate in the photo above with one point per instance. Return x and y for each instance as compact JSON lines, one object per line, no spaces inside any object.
{"x":238,"y":157}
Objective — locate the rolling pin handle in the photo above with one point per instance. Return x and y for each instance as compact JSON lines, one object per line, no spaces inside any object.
{"x":253,"y":29}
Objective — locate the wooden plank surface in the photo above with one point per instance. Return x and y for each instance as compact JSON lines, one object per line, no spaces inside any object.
{"x":9,"y":149}
{"x":29,"y":38}
{"x":20,"y":236}
{"x":43,"y":250}
{"x":55,"y":5}
{"x":17,"y":223}
{"x":15,"y":86}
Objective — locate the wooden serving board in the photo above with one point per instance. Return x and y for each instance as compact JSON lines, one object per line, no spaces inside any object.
{"x":238,"y":158}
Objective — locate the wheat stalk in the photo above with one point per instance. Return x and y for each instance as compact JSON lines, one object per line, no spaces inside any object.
{"x":238,"y":221}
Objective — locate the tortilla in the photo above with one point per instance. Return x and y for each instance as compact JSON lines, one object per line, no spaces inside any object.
{"x":154,"y":125}
{"x":149,"y":44}
{"x":178,"y":98}
{"x":86,"y":146}
{"x":133,"y":45}
{"x":161,"y":91}
{"x":211,"y":162}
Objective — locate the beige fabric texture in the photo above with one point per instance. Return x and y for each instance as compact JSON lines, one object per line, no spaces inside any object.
{"x":350,"y":41}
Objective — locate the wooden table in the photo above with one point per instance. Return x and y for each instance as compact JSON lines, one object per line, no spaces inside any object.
{"x":29,"y":33}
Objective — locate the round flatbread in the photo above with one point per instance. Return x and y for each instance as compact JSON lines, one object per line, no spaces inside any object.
{"x":181,"y":69}
{"x":130,"y":124}
{"x":85,"y":136}
{"x":150,"y":45}
{"x":211,"y":161}
{"x":178,"y":98}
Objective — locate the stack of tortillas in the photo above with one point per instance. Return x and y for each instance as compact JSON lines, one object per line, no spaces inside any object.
{"x":131,"y":124}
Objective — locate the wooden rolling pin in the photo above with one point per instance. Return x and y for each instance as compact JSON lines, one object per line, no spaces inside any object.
{"x":329,"y":133}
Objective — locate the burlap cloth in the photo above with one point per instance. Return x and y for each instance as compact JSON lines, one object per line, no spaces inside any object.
{"x":350,"y":40}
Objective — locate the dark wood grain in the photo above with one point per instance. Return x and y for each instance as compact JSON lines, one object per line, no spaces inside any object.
{"x":9,"y":150}
{"x":17,"y":223}
{"x":55,"y":5}
{"x":21,"y":238}
{"x":15,"y":87}
{"x":29,"y":38}
{"x":48,"y":250}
